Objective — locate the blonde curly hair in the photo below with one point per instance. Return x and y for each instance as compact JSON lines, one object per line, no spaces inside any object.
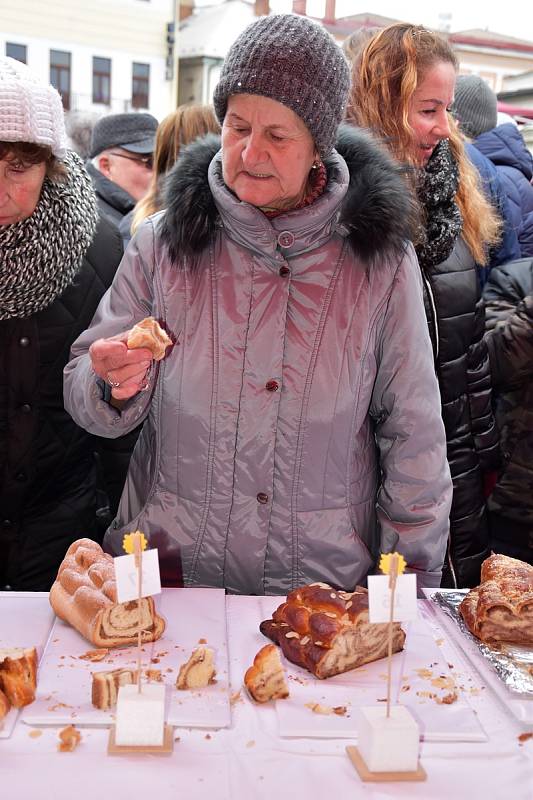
{"x":386,"y":73}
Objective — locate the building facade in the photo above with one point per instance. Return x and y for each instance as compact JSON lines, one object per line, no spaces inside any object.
{"x":206,"y":33}
{"x":103,"y":56}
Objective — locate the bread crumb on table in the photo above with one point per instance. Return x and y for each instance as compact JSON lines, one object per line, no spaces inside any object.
{"x":69,"y":739}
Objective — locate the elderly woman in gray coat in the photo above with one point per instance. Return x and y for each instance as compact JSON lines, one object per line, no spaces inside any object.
{"x":293,"y":430}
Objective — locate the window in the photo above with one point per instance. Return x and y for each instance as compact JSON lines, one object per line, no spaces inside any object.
{"x":60,"y":75}
{"x":101,"y":80}
{"x":18,"y":51}
{"x":140,"y":85}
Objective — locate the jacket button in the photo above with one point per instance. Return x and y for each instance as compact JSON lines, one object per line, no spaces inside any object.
{"x":272,"y":386}
{"x":20,"y":476}
{"x":286,"y":239}
{"x":262,"y":498}
{"x":26,"y":408}
{"x":24,"y":341}
{"x":284,"y":271}
{"x":6,"y":523}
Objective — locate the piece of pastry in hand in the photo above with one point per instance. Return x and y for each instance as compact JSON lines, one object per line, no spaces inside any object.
{"x":84,"y":594}
{"x":149,"y":333}
{"x":106,"y":685}
{"x":265,"y":679}
{"x":18,"y":675}
{"x":199,"y":671}
{"x":5,"y":705}
{"x":327,"y":632}
{"x":500,"y":609}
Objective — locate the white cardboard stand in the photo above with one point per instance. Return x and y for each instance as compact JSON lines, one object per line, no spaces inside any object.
{"x":388,"y":737}
{"x":140,"y":717}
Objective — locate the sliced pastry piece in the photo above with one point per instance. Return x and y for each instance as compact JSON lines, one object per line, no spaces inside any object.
{"x":18,"y":675}
{"x":106,"y":685}
{"x":327,"y":631}
{"x":199,"y":671}
{"x":5,"y":705}
{"x":84,"y":594}
{"x":265,"y":679}
{"x":149,"y":333}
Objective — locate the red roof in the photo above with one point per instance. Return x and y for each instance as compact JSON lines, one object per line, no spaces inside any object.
{"x":496,"y":41}
{"x":515,"y":111}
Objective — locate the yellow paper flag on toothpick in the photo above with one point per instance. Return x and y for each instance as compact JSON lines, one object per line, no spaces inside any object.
{"x":385,"y":563}
{"x":128,"y":543}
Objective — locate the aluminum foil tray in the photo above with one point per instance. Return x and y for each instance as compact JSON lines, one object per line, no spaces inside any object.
{"x":512,"y":663}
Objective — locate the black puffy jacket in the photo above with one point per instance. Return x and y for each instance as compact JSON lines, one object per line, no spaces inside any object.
{"x":456,"y":321}
{"x":509,"y":302}
{"x":47,"y":468}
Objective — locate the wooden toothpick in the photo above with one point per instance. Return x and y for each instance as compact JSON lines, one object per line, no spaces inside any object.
{"x":393,"y":574}
{"x":137,"y":552}
{"x":134,"y":543}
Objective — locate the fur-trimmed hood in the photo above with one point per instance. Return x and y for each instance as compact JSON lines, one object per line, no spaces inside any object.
{"x":376,"y":214}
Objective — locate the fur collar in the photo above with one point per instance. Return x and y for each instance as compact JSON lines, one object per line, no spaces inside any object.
{"x":377,"y":212}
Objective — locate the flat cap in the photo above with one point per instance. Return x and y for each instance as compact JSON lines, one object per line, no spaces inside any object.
{"x":132,"y":131}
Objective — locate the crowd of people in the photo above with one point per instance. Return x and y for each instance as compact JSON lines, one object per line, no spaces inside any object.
{"x":341,"y":250}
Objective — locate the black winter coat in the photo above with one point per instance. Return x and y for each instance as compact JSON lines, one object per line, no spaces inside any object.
{"x":456,"y":321}
{"x":509,"y":301}
{"x":47,"y":469}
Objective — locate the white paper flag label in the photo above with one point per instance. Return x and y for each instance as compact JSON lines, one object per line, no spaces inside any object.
{"x":379,"y":598}
{"x":127,"y":576}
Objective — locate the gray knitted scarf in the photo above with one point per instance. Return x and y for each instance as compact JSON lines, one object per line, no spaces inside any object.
{"x":40,"y":256}
{"x":437,"y":186}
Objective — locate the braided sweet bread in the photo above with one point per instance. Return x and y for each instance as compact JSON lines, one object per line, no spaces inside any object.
{"x":327,"y":632}
{"x":84,"y":595}
{"x":500,"y":609}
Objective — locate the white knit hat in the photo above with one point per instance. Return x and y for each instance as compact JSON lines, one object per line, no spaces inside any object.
{"x":30,"y":109}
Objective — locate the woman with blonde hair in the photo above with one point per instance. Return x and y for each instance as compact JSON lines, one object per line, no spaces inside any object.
{"x":402,"y":90}
{"x":178,"y":129}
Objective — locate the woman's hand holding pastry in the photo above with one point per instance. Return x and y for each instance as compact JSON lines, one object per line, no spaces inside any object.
{"x":125,"y":370}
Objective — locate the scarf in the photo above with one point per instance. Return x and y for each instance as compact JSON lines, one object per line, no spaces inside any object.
{"x":318,"y":179}
{"x":40,"y":256}
{"x":436,"y":189}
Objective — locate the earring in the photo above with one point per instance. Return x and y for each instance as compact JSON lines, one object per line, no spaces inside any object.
{"x":316,"y":165}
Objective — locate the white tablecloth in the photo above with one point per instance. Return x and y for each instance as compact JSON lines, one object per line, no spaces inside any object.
{"x":250,"y":761}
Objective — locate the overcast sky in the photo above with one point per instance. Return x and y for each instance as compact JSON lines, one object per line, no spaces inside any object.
{"x":506,"y":16}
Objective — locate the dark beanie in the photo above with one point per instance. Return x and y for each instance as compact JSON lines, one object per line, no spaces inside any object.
{"x":292,"y":60}
{"x":475,"y":105}
{"x":131,"y":131}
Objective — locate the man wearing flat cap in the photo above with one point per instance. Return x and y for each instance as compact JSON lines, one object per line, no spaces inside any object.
{"x":120,"y":163}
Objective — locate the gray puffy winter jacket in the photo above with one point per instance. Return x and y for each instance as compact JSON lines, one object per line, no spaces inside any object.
{"x":294,"y":430}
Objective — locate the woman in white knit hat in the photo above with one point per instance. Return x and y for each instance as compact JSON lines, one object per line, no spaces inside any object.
{"x":55,"y":263}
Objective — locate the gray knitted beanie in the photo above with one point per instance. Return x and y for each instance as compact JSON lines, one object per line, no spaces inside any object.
{"x":292,"y":60}
{"x":475,"y":105}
